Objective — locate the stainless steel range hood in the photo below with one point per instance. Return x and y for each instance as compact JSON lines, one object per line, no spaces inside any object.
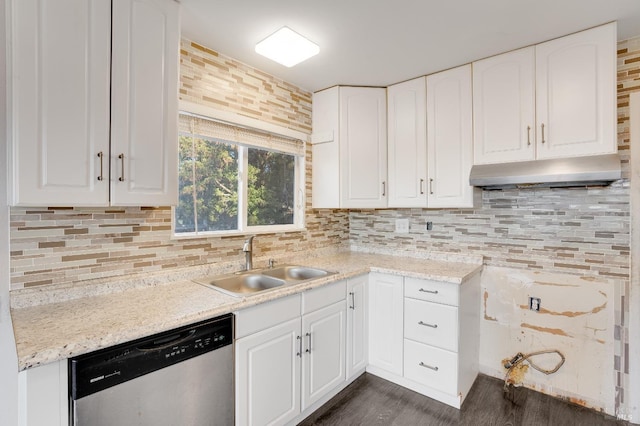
{"x":559,"y":172}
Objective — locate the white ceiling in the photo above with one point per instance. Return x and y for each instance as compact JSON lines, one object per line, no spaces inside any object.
{"x":381,"y":42}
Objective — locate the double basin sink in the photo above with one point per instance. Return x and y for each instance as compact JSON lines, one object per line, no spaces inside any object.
{"x":258,"y":280}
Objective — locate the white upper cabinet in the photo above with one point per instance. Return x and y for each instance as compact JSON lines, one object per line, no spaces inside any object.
{"x":504,"y":107}
{"x":431,"y":141}
{"x":576,"y":94}
{"x":59,"y":113}
{"x":407,"y":138}
{"x":350,"y":159}
{"x":80,"y":98}
{"x":144,"y":63}
{"x":556,"y":99}
{"x":449,"y":138}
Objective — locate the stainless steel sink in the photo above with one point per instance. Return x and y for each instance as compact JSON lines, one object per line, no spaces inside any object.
{"x":295,"y":273}
{"x":242,"y":284}
{"x":259,"y":280}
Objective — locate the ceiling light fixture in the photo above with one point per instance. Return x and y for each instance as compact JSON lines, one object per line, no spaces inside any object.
{"x":287,"y":47}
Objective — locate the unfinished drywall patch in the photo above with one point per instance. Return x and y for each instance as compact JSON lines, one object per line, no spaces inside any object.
{"x":576,"y":317}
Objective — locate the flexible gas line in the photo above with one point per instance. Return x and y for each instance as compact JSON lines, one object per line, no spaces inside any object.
{"x":520,"y":358}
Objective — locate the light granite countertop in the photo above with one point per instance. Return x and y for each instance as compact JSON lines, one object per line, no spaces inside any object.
{"x":49,"y":332}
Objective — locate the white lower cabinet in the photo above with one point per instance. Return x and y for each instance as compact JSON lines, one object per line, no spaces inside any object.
{"x":385,"y":322}
{"x":42,"y":395}
{"x":324,"y":354}
{"x":268,"y":375}
{"x":290,"y":356}
{"x":424,"y":334}
{"x":357,"y":325}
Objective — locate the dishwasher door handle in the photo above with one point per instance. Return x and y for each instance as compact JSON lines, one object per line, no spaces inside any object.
{"x":167,"y":342}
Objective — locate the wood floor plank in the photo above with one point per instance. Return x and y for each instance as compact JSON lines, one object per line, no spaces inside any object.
{"x":371,"y":400}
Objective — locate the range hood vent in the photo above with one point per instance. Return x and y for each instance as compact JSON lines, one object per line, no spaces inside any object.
{"x":596,"y":170}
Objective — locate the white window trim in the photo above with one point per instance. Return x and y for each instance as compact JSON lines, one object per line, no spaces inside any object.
{"x":300,"y":167}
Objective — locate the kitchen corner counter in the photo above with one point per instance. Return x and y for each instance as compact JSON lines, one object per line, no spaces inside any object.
{"x":55,"y":331}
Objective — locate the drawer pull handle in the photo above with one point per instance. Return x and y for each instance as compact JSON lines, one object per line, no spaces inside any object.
{"x":428,"y":325}
{"x":428,"y":291}
{"x":422,"y":364}
{"x":299,"y":339}
{"x":353,"y":300}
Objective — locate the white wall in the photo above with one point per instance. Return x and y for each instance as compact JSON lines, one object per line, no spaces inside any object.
{"x":8,"y":359}
{"x":633,"y":394}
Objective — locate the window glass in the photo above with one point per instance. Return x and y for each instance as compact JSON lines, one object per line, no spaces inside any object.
{"x":216,"y":177}
{"x":226,"y":187}
{"x":184,"y":214}
{"x":271,"y":185}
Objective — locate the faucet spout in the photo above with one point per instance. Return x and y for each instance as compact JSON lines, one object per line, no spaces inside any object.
{"x":247,"y":248}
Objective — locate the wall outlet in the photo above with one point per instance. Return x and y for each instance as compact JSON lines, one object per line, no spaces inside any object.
{"x":534,"y":304}
{"x":402,"y":226}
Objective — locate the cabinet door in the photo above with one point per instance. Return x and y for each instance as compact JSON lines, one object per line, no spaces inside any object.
{"x":356,"y":325}
{"x":59,"y":113}
{"x":326,"y":155}
{"x":324,"y":352}
{"x":363,"y":147}
{"x":43,"y":397}
{"x":449,"y":138}
{"x":575,"y":94}
{"x":385,"y":322}
{"x":407,"y":131}
{"x":268,"y":375}
{"x":144,"y":96}
{"x":504,"y":107}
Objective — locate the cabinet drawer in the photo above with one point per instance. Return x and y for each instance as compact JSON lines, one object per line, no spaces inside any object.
{"x":320,"y":297}
{"x":431,"y":366}
{"x":431,"y":323}
{"x":433,"y":291}
{"x":261,"y":317}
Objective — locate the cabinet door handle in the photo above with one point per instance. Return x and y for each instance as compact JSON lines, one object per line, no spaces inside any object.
{"x":528,"y":135}
{"x":430,"y":186}
{"x":121,"y":157}
{"x":384,"y":188}
{"x":309,"y":347}
{"x":428,"y":325}
{"x":428,"y":291}
{"x":353,"y":300}
{"x":299,"y":339}
{"x":101,"y":157}
{"x":422,"y":364}
{"x":542,"y":126}
{"x":421,"y":189}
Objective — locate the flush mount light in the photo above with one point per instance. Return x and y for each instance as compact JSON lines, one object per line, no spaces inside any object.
{"x":287,"y":47}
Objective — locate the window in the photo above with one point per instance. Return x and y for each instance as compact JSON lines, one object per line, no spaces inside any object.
{"x":234,"y":180}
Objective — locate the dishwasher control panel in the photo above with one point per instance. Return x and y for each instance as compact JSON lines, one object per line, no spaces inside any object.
{"x":108,"y":367}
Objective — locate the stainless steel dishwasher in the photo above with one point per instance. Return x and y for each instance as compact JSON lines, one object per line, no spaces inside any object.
{"x":182,"y":377}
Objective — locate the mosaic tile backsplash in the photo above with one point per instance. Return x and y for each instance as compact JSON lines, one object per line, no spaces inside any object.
{"x":577,"y":230}
{"x":212,"y":79}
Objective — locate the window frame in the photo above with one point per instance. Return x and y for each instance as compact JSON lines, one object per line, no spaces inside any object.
{"x":299,"y":203}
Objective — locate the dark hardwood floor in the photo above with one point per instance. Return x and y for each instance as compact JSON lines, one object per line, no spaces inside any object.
{"x":371,"y":400}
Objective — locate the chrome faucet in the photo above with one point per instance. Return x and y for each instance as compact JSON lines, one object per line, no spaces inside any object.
{"x":247,"y":248}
